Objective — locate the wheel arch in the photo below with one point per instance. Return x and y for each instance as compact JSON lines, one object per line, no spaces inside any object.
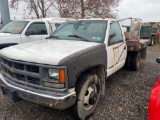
{"x":98,"y":70}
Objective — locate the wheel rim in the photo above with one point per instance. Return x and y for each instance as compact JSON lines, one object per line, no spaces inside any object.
{"x":90,"y":97}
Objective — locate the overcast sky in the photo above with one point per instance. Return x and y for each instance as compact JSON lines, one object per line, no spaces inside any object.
{"x":147,"y":10}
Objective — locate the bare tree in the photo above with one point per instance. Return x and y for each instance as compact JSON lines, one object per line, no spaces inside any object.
{"x":39,"y":7}
{"x":84,"y":8}
{"x":67,"y":8}
{"x":70,"y":8}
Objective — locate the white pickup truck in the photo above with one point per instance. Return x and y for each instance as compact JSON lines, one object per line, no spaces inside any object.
{"x":23,"y":31}
{"x":70,"y":68}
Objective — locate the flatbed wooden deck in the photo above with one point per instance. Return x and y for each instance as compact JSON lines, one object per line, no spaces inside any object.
{"x":137,"y":45}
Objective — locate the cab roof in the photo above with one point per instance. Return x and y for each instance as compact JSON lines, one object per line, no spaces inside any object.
{"x":95,"y":19}
{"x":54,"y":19}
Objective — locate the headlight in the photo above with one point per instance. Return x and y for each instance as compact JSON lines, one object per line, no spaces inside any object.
{"x":58,"y":74}
{"x":53,"y":73}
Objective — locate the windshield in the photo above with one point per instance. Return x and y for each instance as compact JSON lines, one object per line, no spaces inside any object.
{"x":86,"y":30}
{"x":14,"y":27}
{"x":145,"y":30}
{"x":154,"y":30}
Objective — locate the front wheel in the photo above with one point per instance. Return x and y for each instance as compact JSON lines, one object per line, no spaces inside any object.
{"x":88,"y":94}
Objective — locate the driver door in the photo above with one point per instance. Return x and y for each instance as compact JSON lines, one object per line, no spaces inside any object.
{"x":116,"y":49}
{"x":36,"y":31}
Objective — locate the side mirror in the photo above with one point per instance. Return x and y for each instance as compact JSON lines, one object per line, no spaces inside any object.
{"x":112,"y":35}
{"x":158,"y":60}
{"x":30,"y":32}
{"x":57,"y":25}
{"x":47,"y":37}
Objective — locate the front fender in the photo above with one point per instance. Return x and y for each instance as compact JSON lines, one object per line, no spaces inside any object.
{"x":82,"y":60}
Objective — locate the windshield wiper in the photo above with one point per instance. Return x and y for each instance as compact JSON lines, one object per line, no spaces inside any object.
{"x":56,"y":37}
{"x":76,"y":36}
{"x":5,"y":32}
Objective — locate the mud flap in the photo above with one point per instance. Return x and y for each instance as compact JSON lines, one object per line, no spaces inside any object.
{"x":103,"y":82}
{"x":103,"y":87}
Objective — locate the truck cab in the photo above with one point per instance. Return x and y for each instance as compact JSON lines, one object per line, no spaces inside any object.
{"x":24,"y":31}
{"x":70,"y":67}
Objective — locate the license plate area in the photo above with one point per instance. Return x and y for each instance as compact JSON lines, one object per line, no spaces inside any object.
{"x":12,"y":94}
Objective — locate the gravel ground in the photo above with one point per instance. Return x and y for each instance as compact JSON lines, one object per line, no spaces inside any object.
{"x":127,"y":97}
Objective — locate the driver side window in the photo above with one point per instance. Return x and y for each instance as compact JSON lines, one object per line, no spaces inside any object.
{"x":37,"y":29}
{"x":115,"y":34}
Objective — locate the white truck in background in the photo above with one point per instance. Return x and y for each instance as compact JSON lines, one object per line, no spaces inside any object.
{"x":23,"y":31}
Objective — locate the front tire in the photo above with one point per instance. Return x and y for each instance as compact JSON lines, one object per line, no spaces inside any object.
{"x":88,"y":94}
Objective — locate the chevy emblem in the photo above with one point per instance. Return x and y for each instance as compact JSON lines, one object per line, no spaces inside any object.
{"x":12,"y":70}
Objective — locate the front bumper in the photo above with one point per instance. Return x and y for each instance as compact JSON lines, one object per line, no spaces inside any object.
{"x":57,"y":102}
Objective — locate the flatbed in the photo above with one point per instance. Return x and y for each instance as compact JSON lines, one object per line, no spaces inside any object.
{"x":137,"y":45}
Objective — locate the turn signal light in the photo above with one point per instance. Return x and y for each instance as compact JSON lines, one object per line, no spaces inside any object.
{"x":62,"y":78}
{"x":131,"y":48}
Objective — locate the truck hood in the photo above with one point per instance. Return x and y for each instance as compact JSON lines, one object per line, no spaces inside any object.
{"x":8,"y":35}
{"x":46,"y":52}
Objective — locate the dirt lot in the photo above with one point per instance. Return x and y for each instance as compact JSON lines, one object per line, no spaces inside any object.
{"x":127,"y":97}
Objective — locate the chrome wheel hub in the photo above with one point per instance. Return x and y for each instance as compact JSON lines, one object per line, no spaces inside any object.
{"x":90,"y":97}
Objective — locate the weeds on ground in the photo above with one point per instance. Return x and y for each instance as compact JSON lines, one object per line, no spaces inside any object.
{"x":156,"y":47}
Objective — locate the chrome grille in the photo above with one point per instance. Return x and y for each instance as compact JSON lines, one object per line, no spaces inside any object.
{"x":9,"y":63}
{"x":33,"y":80}
{"x":10,"y":73}
{"x":34,"y":69}
{"x":20,"y":77}
{"x":18,"y":66}
{"x":19,"y":72}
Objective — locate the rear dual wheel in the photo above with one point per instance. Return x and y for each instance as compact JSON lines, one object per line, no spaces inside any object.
{"x":133,"y":61}
{"x":127,"y":63}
